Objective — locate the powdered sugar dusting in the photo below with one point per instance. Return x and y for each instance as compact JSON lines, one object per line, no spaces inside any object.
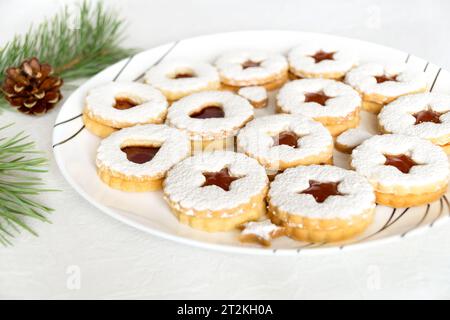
{"x":300,"y":59}
{"x":253,"y":93}
{"x":397,"y":117}
{"x":183,"y":184}
{"x":162,"y":75}
{"x":271,"y":65}
{"x":353,"y":137}
{"x":237,"y":112}
{"x":263,"y":229}
{"x":174,"y":146}
{"x":344,"y":99}
{"x":357,"y":193}
{"x":151,"y":103}
{"x":368,"y":159}
{"x":408,"y":80}
{"x":256,"y":139}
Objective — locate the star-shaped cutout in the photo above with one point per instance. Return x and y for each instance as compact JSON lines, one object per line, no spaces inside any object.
{"x":184,"y":75}
{"x":262,"y":232}
{"x":428,"y":115}
{"x":124,"y":104}
{"x":322,"y":190}
{"x":319,"y":97}
{"x":322,"y":55}
{"x":222,"y":179}
{"x":208,"y":112}
{"x":384,"y":78}
{"x":287,"y":138}
{"x":250,"y":64}
{"x":402,"y":162}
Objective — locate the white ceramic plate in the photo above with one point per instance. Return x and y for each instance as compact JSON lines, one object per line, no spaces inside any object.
{"x":75,"y":148}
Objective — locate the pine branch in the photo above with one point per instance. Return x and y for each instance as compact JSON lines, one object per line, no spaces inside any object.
{"x":19,"y":161}
{"x":73,"y":51}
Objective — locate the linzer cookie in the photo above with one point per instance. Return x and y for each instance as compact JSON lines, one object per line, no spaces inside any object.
{"x":216,"y":191}
{"x":321,"y":203}
{"x":332,"y":103}
{"x":282,"y":141}
{"x":177,"y":79}
{"x":137,"y":158}
{"x":252,"y":68}
{"x":381,"y":83}
{"x":313,"y":60}
{"x":423,"y":115}
{"x":210,"y":118}
{"x":350,"y":139}
{"x":257,"y":96}
{"x":404,"y":170}
{"x":117,"y":105}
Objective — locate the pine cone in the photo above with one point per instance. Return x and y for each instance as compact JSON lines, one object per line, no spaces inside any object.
{"x":31,"y":87}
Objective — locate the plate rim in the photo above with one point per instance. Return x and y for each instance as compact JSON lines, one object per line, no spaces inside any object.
{"x":243,"y":249}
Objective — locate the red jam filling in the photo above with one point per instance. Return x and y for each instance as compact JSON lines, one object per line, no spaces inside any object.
{"x":402,"y":162}
{"x":322,"y":190}
{"x":221,"y":178}
{"x":208,"y":112}
{"x":140,"y":154}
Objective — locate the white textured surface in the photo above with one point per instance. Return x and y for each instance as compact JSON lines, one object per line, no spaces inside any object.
{"x":117,"y":261}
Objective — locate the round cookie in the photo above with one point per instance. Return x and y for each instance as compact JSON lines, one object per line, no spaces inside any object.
{"x":210,"y":118}
{"x":282,"y":141}
{"x":381,"y":83}
{"x":314,"y":60}
{"x":177,"y":79}
{"x":137,"y":158}
{"x":252,"y":68}
{"x":404,"y":170}
{"x":117,"y":105}
{"x":423,"y":115}
{"x":321,"y":203}
{"x":216,"y":191}
{"x":332,"y":103}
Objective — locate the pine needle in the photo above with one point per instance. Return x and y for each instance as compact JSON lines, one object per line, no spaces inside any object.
{"x":74,"y":51}
{"x":18,"y":185}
